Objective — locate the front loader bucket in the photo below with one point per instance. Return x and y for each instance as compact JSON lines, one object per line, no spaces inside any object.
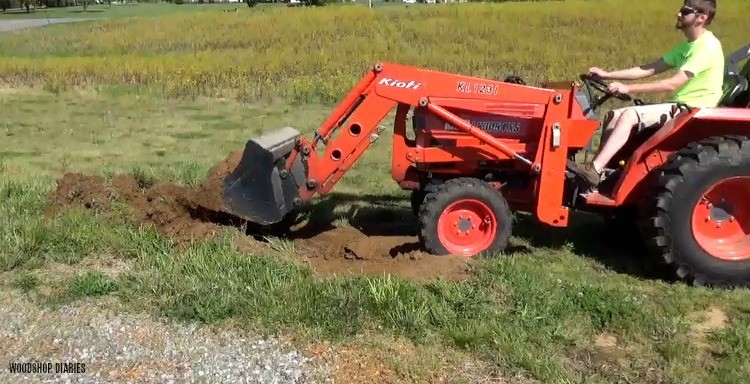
{"x":259,"y":189}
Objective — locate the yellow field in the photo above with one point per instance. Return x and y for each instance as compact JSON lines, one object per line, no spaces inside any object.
{"x":316,"y":54}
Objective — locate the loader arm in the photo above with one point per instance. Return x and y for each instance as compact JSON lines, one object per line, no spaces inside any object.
{"x":283,"y":170}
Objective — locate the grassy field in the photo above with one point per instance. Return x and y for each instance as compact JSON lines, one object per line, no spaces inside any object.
{"x":315,"y":54}
{"x":561,"y":306}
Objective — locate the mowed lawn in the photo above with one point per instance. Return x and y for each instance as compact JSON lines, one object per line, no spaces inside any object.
{"x":560,"y":306}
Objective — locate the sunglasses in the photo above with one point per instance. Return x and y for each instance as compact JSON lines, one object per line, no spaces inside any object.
{"x":684,"y":11}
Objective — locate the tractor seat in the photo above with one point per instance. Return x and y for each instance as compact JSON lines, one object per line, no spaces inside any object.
{"x":735,"y":91}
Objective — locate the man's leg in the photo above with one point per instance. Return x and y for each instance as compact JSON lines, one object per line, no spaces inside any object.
{"x":640,"y":116}
{"x":616,"y":139}
{"x":608,"y":125}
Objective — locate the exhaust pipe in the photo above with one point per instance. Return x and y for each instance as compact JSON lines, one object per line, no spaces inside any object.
{"x":260,"y":189}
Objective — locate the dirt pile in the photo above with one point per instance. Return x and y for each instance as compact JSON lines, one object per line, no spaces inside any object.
{"x":208,"y":194}
{"x":182,"y":213}
{"x":194,"y":214}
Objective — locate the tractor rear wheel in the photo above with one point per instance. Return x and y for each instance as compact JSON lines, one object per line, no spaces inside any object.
{"x":698,"y":213}
{"x":464,"y":216}
{"x":417,"y":197}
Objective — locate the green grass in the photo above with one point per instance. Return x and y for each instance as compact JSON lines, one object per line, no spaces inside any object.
{"x":537,"y":311}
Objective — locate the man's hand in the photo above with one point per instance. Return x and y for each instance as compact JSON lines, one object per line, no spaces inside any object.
{"x":620,"y":88}
{"x":594,"y":71}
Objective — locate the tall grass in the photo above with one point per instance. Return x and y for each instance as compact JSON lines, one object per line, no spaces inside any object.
{"x":316,"y":54}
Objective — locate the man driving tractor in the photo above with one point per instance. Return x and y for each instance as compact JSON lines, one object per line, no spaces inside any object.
{"x":697,"y":83}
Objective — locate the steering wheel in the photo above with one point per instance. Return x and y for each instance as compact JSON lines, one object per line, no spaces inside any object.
{"x":602,"y":86}
{"x":596,"y":82}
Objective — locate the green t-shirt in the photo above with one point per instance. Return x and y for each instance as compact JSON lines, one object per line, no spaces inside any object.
{"x":704,"y":58}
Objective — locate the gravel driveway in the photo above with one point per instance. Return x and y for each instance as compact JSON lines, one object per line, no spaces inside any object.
{"x":123,"y":348}
{"x":7,"y":25}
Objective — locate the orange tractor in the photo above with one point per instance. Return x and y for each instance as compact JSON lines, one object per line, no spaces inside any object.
{"x":480,"y":149}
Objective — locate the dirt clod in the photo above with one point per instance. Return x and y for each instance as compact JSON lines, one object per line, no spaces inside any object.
{"x":187,"y":214}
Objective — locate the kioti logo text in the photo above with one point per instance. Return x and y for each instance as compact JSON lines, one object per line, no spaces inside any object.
{"x":399,"y":84}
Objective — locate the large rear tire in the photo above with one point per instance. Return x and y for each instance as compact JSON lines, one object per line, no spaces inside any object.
{"x":697,"y":215}
{"x":464,"y":216}
{"x":416,"y":199}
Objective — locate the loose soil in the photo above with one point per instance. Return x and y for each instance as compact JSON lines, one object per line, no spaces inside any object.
{"x":187,"y":214}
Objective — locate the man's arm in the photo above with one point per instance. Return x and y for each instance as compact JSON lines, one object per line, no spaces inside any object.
{"x":696,"y":61}
{"x":637,"y":73}
{"x":667,"y":85}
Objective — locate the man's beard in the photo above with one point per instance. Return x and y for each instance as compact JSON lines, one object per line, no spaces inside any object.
{"x":682,"y":24}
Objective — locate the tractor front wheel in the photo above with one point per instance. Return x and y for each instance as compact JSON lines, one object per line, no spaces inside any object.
{"x":698,"y":216}
{"x":464,"y":216}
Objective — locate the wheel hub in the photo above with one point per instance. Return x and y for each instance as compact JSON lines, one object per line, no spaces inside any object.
{"x":466,"y":227}
{"x":721,"y":220}
{"x":464,"y":224}
{"x":720,"y":212}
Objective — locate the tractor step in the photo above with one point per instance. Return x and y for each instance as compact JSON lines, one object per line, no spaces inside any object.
{"x":596,"y":198}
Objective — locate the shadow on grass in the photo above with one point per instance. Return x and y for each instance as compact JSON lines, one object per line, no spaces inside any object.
{"x":617,"y":248}
{"x":373,"y":215}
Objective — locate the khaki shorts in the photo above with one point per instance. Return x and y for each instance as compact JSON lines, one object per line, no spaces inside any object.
{"x":649,"y":116}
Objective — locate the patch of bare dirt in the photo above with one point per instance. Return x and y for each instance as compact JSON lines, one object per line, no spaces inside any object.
{"x":606,"y":353}
{"x":705,"y":322}
{"x":108,"y":266}
{"x":194,"y":214}
{"x":347,"y":251}
{"x":606,"y":341}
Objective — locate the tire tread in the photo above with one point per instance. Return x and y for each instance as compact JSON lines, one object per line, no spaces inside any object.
{"x":655,"y":211}
{"x":442,"y":194}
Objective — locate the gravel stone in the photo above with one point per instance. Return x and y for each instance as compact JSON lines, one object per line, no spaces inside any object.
{"x":134,"y":348}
